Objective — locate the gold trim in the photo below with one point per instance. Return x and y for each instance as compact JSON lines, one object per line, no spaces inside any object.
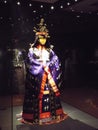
{"x":46,"y":92}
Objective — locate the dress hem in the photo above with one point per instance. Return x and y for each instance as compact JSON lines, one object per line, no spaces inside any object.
{"x":52,"y":121}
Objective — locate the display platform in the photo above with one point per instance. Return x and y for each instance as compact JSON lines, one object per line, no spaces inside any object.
{"x":67,"y":124}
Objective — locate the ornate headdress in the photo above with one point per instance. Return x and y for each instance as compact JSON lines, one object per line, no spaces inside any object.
{"x":41,"y":29}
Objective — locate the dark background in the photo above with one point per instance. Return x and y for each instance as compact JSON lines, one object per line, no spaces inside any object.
{"x":74,"y":35}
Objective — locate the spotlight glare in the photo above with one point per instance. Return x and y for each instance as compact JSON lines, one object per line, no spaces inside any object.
{"x":30,"y":4}
{"x":34,"y":11}
{"x":61,"y":6}
{"x":52,"y":7}
{"x":41,"y":6}
{"x":18,"y":3}
{"x":68,"y":3}
{"x":5,"y":1}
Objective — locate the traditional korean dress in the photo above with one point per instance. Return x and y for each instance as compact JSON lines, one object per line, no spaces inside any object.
{"x":41,"y":102}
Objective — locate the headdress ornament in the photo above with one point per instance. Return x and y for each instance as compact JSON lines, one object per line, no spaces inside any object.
{"x":41,"y":29}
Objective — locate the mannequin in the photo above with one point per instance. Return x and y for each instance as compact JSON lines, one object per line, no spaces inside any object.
{"x":42,"y":97}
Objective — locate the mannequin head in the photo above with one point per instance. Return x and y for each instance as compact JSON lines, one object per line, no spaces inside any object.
{"x":41,"y":34}
{"x":42,"y":40}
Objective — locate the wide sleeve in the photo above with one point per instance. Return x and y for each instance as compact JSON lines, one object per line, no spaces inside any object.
{"x":33,"y":65}
{"x":55,"y":67}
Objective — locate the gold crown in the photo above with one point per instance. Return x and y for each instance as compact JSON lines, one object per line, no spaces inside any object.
{"x":41,"y":29}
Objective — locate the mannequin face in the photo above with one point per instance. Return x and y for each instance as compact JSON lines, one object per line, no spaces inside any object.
{"x":42,"y":41}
